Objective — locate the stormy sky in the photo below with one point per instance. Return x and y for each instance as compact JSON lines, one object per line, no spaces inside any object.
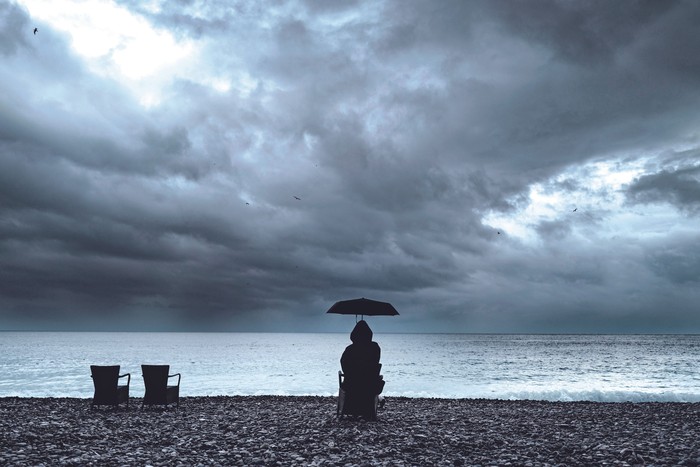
{"x":485,"y":166}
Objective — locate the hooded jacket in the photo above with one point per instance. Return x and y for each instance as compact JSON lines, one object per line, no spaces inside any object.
{"x":362,"y":356}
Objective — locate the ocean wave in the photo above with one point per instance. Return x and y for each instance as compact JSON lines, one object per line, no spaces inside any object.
{"x":552,"y":395}
{"x":561,"y":395}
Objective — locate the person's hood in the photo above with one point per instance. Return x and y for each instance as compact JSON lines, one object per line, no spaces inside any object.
{"x":362,"y":333}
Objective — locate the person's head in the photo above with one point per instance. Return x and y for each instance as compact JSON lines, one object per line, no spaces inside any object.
{"x":361,"y":334}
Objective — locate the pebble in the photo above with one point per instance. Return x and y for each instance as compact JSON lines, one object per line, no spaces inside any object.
{"x":274,"y":430}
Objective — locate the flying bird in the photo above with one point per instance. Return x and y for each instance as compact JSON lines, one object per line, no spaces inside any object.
{"x":35,"y":30}
{"x":296,"y":197}
{"x":575,"y":209}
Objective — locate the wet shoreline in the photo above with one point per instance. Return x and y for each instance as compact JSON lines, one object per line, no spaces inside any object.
{"x":299,"y":430}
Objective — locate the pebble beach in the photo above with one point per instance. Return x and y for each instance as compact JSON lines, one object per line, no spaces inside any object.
{"x":295,"y":430}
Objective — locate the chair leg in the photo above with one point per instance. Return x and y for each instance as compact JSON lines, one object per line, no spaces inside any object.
{"x":375,"y":406}
{"x":341,"y":403}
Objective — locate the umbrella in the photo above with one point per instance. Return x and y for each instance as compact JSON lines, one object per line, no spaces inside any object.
{"x":363,"y":306}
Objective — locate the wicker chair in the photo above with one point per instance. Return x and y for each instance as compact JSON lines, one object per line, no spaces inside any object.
{"x":155,"y":378}
{"x":107,"y":388}
{"x":361,"y":397}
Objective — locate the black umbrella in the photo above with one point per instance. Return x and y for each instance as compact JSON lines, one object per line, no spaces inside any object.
{"x":363,"y":306}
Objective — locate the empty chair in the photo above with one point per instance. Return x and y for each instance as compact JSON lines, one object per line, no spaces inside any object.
{"x":155,"y":378}
{"x":358,"y":395}
{"x":107,"y":388}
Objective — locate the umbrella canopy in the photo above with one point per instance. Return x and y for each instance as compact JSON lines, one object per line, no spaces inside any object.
{"x":363,"y":306}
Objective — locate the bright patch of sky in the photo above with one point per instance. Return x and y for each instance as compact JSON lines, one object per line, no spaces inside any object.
{"x":592,"y":191}
{"x":123,"y":45}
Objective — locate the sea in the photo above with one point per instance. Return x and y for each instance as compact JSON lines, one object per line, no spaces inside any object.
{"x":607,"y":368}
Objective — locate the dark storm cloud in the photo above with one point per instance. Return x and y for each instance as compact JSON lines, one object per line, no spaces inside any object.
{"x":400,"y":125}
{"x":679,"y":187}
{"x":679,"y":263}
{"x":581,"y":31}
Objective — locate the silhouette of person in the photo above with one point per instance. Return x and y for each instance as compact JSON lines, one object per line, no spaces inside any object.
{"x":360,"y":364}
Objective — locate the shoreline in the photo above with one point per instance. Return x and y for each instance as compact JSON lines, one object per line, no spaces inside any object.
{"x":303,"y":430}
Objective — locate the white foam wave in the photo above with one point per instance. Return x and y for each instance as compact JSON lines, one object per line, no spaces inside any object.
{"x":561,"y":395}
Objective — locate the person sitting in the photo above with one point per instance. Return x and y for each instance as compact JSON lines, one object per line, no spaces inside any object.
{"x":362,"y":382}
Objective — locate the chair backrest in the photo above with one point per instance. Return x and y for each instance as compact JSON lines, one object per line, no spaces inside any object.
{"x":105,"y":379}
{"x":367,"y":372}
{"x":155,"y":378}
